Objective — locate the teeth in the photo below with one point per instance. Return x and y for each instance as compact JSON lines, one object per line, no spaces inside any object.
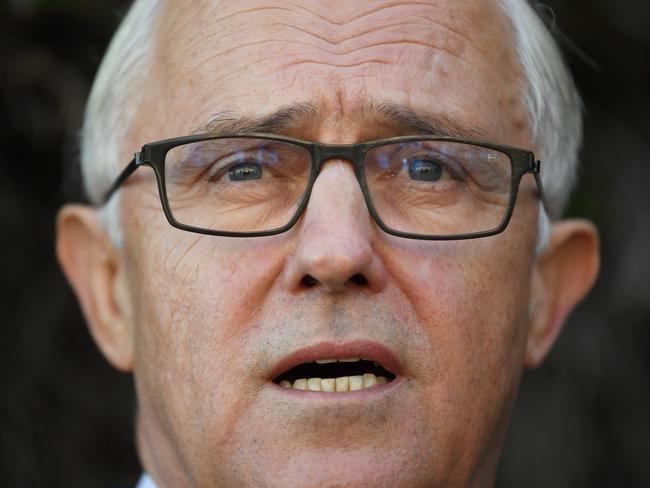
{"x":326,"y":361}
{"x":328,"y":384}
{"x":356,"y":382}
{"x":344,"y":383}
{"x":313,"y":384}
{"x":349,"y":360}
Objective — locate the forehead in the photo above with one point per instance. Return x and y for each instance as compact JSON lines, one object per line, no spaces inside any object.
{"x":451,"y":58}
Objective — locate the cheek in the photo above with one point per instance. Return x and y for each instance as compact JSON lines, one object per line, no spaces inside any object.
{"x":476,"y":319}
{"x":471,"y":300}
{"x":199,"y":299}
{"x":195,"y":313}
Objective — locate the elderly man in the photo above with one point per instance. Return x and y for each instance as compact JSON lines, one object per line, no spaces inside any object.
{"x":332,"y":257}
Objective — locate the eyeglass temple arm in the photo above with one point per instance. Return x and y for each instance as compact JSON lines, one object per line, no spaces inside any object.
{"x":540,"y":186}
{"x":126,"y":172}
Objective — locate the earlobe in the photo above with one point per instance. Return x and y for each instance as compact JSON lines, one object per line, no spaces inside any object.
{"x":93,"y":267}
{"x":563,"y":275}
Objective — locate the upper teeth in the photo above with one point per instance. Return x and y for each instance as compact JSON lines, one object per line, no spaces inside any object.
{"x":341,"y":384}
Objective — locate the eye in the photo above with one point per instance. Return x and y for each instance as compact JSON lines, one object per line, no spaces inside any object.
{"x":245,"y":172}
{"x":424,"y":169}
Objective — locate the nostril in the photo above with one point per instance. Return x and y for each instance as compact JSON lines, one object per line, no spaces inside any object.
{"x":359,"y":279}
{"x":308,"y":281}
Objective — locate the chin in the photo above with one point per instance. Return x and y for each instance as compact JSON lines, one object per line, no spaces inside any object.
{"x":341,"y":467}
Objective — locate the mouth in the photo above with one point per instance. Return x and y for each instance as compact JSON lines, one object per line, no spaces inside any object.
{"x":337,"y":368}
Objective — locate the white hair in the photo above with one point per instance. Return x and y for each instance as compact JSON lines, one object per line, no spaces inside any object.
{"x":111,"y":107}
{"x":553,"y":103}
{"x":548,"y":91}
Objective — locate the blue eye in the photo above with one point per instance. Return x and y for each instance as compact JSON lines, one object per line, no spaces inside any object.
{"x":424,"y":170}
{"x":245,"y":172}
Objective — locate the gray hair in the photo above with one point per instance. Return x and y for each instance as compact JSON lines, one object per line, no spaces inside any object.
{"x":553,"y":103}
{"x":111,"y":107}
{"x":549,"y":94}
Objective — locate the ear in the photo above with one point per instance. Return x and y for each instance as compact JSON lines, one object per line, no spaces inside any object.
{"x":94,"y":268}
{"x":563,"y":275}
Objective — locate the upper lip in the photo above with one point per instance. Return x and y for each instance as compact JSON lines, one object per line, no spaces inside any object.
{"x":360,"y":348}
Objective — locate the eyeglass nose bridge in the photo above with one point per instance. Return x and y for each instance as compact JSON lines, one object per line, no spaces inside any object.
{"x":327,"y":152}
{"x":354,"y":153}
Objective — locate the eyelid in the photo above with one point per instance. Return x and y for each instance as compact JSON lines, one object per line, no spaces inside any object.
{"x":450,"y":164}
{"x":243,"y":156}
{"x":219,"y":168}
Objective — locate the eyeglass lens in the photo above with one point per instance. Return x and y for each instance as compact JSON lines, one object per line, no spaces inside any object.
{"x":438,"y":187}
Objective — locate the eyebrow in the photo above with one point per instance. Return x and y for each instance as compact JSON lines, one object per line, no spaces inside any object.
{"x":427,"y":123}
{"x":292,"y":117}
{"x":285,"y":118}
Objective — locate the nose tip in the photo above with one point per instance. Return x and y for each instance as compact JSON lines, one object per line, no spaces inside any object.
{"x":341,"y":269}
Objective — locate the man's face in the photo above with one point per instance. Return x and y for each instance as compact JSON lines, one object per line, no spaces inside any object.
{"x":213,"y":316}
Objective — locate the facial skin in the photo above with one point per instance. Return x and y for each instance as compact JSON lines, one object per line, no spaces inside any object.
{"x":202,"y":320}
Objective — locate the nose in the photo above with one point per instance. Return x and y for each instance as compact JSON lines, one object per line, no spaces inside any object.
{"x":335,"y":249}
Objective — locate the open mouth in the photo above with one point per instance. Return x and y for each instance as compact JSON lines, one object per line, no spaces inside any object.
{"x":335,"y":375}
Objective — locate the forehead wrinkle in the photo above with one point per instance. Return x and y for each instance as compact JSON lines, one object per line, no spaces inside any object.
{"x":324,"y":39}
{"x":216,"y":26}
{"x":341,"y":41}
{"x":216,"y":29}
{"x":386,"y":58}
{"x":382,"y":6}
{"x":215,"y":20}
{"x":197,"y":78}
{"x":353,"y":18}
{"x":373,"y":30}
{"x":457,"y":32}
{"x":295,"y":7}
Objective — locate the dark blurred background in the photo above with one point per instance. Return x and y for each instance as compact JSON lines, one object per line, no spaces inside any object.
{"x":583,"y":418}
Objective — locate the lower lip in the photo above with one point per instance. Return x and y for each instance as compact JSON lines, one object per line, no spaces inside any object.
{"x":371,"y":393}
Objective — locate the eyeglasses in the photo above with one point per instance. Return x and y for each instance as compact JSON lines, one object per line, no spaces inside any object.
{"x":417,"y":187}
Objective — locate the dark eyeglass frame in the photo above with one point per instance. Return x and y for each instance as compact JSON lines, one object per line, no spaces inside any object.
{"x":153,"y":155}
